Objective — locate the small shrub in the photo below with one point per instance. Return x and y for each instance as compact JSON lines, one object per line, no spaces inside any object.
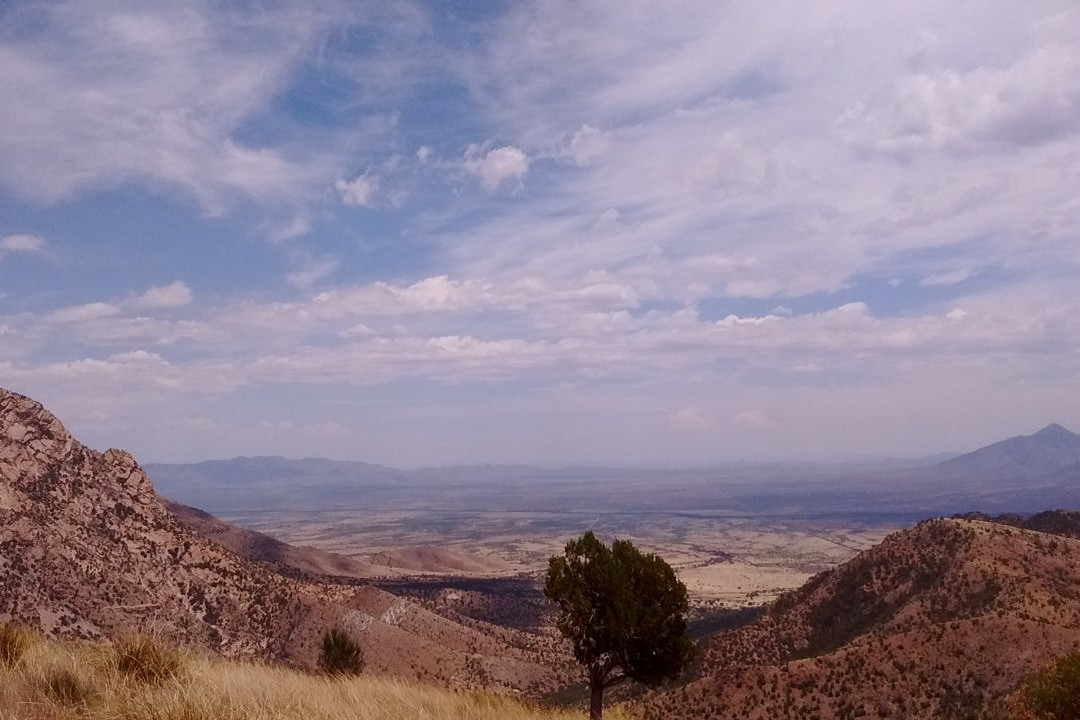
{"x":147,"y":659}
{"x":340,"y":654}
{"x":14,"y":640}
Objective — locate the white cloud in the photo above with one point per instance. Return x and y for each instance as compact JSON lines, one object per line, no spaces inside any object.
{"x":497,"y":166}
{"x":433,"y":294}
{"x":1036,"y":99}
{"x":173,"y":295}
{"x":359,"y":192}
{"x":21,"y":244}
{"x":84,"y":313}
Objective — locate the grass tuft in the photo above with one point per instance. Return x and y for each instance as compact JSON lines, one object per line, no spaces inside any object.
{"x":67,"y":687}
{"x":147,"y":659}
{"x":341,"y":655}
{"x":14,"y":641}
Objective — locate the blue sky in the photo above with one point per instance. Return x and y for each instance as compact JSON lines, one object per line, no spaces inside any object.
{"x":626,"y":232}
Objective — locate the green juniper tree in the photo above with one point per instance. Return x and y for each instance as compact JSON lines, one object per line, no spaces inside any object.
{"x":624,"y":611}
{"x":1052,"y":693}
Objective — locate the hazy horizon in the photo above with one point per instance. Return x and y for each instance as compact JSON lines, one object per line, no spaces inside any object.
{"x":855,"y":459}
{"x":550,"y":233}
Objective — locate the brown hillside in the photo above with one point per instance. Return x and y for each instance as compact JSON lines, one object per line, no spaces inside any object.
{"x":430,"y":559}
{"x":940,"y":621}
{"x":87,"y":550}
{"x":302,"y":562}
{"x":1056,"y":522}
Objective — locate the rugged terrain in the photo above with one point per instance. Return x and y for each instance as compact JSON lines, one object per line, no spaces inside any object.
{"x":940,"y":621}
{"x":87,"y":550}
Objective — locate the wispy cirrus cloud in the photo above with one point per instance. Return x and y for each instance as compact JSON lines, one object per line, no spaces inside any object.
{"x":122,"y":93}
{"x":699,"y":226}
{"x":728,"y":130}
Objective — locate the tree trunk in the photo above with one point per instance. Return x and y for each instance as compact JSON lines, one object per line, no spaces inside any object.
{"x":597,"y":676}
{"x":596,"y":703}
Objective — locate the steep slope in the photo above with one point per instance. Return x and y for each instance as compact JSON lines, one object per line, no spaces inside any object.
{"x":87,"y":550}
{"x":940,"y":621}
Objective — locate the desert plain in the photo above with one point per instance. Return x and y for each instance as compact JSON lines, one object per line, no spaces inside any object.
{"x":726,"y":560}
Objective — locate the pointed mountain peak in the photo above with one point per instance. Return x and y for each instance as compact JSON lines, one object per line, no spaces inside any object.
{"x":25,"y":423}
{"x":1053,"y":430}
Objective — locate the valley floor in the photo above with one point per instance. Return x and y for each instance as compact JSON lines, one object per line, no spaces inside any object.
{"x":725,"y":560}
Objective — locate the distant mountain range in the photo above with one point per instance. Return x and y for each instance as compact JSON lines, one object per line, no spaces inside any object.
{"x":1024,"y":473}
{"x":1049,"y":452}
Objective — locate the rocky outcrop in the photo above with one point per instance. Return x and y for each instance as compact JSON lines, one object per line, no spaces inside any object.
{"x":88,"y":550}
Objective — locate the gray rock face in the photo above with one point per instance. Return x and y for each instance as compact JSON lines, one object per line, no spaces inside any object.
{"x":87,"y":550}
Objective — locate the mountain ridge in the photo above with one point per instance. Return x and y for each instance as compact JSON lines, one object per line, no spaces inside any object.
{"x":88,"y":551}
{"x":1044,"y":452}
{"x":942,"y":620}
{"x":1023,"y":473}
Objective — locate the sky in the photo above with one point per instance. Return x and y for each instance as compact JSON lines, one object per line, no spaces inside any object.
{"x":634,"y":233}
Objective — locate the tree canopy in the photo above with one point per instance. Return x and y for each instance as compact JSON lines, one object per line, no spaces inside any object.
{"x":623,"y":610}
{"x":1052,"y":693}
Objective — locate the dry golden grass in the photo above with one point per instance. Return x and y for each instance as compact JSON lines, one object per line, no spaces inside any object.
{"x":55,"y":681}
{"x":13,"y":643}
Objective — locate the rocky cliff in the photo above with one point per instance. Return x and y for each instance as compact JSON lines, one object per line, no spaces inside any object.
{"x":87,"y":550}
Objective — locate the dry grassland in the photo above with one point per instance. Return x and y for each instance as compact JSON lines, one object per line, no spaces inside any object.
{"x":45,"y":680}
